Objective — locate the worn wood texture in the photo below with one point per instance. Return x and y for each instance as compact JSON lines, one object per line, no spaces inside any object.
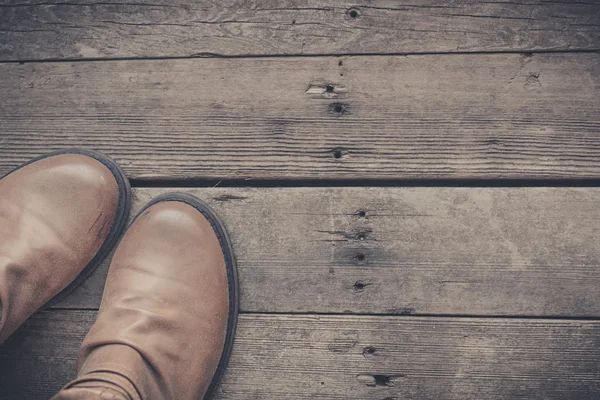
{"x":360,"y":357}
{"x":474,"y":251}
{"x":418,"y":117}
{"x":173,"y":28}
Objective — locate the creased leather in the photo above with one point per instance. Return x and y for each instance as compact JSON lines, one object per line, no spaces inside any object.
{"x":99,"y":385}
{"x":163,"y":318}
{"x":54,"y":216}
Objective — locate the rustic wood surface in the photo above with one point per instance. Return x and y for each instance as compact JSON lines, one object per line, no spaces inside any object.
{"x":368,"y":292}
{"x":351,"y":357}
{"x":473,"y":251}
{"x":501,"y":116}
{"x":88,"y":29}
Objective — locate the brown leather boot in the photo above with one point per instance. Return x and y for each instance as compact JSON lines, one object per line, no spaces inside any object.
{"x":168,"y":315}
{"x":60,"y":215}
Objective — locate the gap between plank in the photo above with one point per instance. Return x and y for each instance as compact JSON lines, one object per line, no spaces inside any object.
{"x":292,"y":183}
{"x":303,"y":55}
{"x":325,"y":314}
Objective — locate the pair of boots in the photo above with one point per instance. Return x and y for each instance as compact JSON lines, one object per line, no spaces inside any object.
{"x":167,"y":319}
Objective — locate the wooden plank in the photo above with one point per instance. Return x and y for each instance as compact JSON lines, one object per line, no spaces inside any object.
{"x":359,"y":357}
{"x":468,"y":251}
{"x":84,"y":29}
{"x":419,"y":117}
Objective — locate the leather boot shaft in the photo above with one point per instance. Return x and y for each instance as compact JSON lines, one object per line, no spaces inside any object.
{"x":56,"y":214}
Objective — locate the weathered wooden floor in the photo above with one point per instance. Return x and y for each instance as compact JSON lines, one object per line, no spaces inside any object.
{"x":412,"y":187}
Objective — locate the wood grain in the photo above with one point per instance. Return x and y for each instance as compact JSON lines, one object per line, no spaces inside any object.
{"x":360,"y":357}
{"x":503,"y":116}
{"x":468,"y":251}
{"x":89,"y":29}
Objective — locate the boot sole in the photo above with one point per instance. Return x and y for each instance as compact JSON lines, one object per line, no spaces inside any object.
{"x":232,"y":279}
{"x":118,"y":225}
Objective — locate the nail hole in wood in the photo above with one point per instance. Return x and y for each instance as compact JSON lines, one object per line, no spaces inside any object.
{"x":362,"y":213}
{"x":338,"y":108}
{"x":338,"y":152}
{"x":359,"y":286}
{"x":329,"y":88}
{"x":353,"y":13}
{"x":369,"y":351}
{"x":382,"y":380}
{"x":360,"y":257}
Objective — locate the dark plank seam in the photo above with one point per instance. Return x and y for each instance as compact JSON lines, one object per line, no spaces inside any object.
{"x":303,"y":55}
